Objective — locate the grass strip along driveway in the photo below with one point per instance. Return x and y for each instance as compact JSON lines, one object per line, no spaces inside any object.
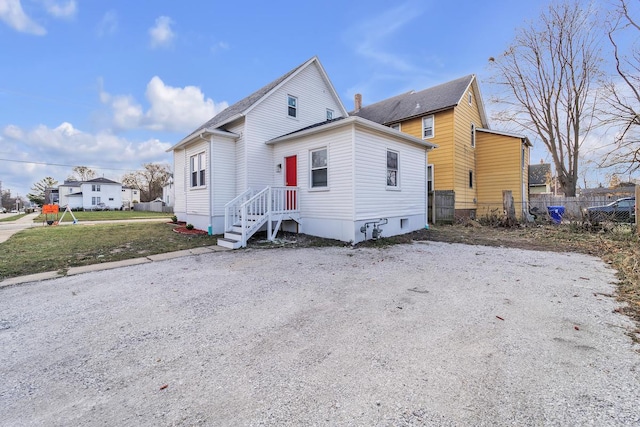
{"x":42,"y":249}
{"x":102,"y":216}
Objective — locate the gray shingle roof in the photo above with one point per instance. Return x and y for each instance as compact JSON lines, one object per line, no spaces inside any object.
{"x":412,"y":104}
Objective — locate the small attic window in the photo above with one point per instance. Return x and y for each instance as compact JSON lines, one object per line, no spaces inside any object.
{"x":292,"y":104}
{"x":470,"y":98}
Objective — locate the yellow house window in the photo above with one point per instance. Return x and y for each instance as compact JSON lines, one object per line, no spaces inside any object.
{"x":428,"y":127}
{"x":473,"y":135}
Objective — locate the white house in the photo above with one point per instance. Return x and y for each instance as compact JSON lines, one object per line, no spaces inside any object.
{"x":130,"y":196}
{"x":168,"y":192}
{"x":289,"y":156}
{"x":98,"y":192}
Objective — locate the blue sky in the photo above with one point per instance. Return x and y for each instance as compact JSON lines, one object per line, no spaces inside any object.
{"x":113,"y":84}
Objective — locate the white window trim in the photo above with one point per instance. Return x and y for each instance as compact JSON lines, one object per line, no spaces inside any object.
{"x":311,"y":169}
{"x":396,"y":126}
{"x":433,"y":126}
{"x":196,"y":166}
{"x":397,"y":186}
{"x":470,"y":98}
{"x":433,"y":177}
{"x":473,"y":135}
{"x":296,"y":107}
{"x":329,"y":113}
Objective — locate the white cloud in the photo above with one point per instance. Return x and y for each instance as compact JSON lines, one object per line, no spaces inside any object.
{"x":65,"y":146}
{"x":13,"y":15}
{"x":219,"y":46}
{"x":161,"y":34}
{"x":58,"y":10}
{"x":108,"y":24}
{"x":373,"y":38}
{"x":172,"y":109}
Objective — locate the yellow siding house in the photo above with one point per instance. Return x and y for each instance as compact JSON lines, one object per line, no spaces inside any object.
{"x":477,"y":163}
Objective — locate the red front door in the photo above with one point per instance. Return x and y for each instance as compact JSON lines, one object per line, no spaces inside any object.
{"x":291,"y":179}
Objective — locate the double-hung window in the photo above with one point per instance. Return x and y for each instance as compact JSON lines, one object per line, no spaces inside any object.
{"x":292,"y":106}
{"x":392,"y":169}
{"x":197,"y":169}
{"x":428,"y":127}
{"x":95,"y":187}
{"x":319,"y":168}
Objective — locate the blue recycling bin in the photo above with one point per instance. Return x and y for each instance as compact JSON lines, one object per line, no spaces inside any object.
{"x":556,"y":213}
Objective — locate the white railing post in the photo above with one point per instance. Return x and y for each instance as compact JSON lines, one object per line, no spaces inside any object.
{"x":269,"y":218}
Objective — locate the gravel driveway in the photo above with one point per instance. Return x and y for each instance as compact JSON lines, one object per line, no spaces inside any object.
{"x":423,"y":334}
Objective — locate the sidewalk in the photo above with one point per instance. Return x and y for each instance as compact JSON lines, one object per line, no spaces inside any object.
{"x":8,"y":229}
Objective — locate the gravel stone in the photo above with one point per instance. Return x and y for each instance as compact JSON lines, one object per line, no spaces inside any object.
{"x":409,"y":335}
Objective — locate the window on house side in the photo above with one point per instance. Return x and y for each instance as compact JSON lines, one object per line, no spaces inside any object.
{"x":392,"y":169}
{"x":95,"y":201}
{"x":197,"y":169}
{"x":329,"y":114}
{"x":429,"y":178}
{"x":292,"y":103}
{"x":319,"y":169}
{"x":427,"y":127}
{"x":95,"y":187}
{"x":396,"y":126}
{"x":470,"y":98}
{"x":470,"y":179}
{"x":473,"y":135}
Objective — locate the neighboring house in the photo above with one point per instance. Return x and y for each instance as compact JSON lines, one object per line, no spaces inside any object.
{"x":91,"y":194}
{"x":289,"y":156}
{"x":168,"y":192}
{"x":540,"y":178}
{"x":476,"y":162}
{"x":129,"y":196}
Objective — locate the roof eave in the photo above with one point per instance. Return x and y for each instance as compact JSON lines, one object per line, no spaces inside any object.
{"x":354,"y":120}
{"x":223,"y":133}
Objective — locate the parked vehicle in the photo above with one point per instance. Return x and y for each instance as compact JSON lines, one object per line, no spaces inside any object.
{"x":622,"y":210}
{"x":101,"y":207}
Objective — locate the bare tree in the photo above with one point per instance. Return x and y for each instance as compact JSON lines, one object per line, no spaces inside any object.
{"x":82,"y":173}
{"x":547,"y":75}
{"x":149,"y":181}
{"x":622,"y":93}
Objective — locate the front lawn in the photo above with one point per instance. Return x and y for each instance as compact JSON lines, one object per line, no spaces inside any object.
{"x":57,"y":248}
{"x":103,"y":216}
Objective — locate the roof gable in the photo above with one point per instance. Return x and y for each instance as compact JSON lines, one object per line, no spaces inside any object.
{"x":242,"y":107}
{"x":412,"y":104}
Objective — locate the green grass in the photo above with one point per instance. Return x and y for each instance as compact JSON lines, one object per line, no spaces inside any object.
{"x":103,"y":216}
{"x":41,"y":249}
{"x":12,"y":217}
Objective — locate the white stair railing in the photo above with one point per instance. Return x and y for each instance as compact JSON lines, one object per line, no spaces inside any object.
{"x":232,"y":209}
{"x":252,"y":210}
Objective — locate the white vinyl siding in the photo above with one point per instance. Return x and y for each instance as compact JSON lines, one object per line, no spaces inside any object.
{"x":266,"y":121}
{"x":197,"y":201}
{"x":372,"y":198}
{"x":337,"y":202}
{"x":428,"y":127}
{"x":180,"y":180}
{"x":223,"y":173}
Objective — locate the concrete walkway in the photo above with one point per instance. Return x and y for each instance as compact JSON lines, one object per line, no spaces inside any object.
{"x":8,"y":229}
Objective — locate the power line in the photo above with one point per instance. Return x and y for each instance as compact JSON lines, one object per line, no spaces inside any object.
{"x":69,"y":166}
